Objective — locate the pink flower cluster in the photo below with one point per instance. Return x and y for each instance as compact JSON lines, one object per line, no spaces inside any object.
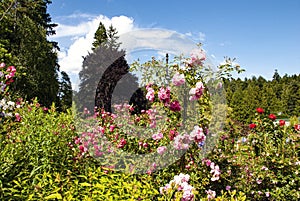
{"x":181,"y":142}
{"x":122,"y":143}
{"x":11,"y":70}
{"x":150,"y":93}
{"x":157,"y":136}
{"x":215,"y":170}
{"x":198,"y":135}
{"x":152,"y":115}
{"x":164,"y":95}
{"x":178,"y":79}
{"x":197,"y":91}
{"x":90,"y":142}
{"x":210,"y":194}
{"x":180,"y":183}
{"x":197,"y":57}
{"x":161,"y":150}
{"x":18,"y":117}
{"x":175,"y":106}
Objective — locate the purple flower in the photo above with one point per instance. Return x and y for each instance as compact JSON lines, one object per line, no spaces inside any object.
{"x":228,"y":188}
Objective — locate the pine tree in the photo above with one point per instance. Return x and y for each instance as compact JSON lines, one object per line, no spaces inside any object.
{"x":100,"y":37}
{"x":112,"y":41}
{"x":27,"y":25}
{"x":65,"y":92}
{"x":105,"y":53}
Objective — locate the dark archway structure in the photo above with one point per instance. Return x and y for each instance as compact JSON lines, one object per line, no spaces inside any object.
{"x":108,"y":82}
{"x":139,"y":101}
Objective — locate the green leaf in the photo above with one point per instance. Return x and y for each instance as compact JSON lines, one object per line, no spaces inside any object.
{"x":85,"y":184}
{"x":54,"y":196}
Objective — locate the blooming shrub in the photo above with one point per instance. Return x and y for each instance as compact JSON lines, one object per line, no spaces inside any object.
{"x":179,"y":188}
{"x":261,"y":161}
{"x":158,"y":129}
{"x":43,"y":157}
{"x":7,"y":106}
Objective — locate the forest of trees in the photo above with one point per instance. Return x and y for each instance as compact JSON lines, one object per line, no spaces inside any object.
{"x":280,"y":96}
{"x":25,"y":26}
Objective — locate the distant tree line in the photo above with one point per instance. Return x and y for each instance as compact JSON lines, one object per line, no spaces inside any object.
{"x":280,"y":96}
{"x":25,"y":26}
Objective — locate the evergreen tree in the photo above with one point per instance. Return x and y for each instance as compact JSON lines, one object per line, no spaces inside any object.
{"x":100,"y":37}
{"x":65,"y":92}
{"x":27,"y":25}
{"x":276,"y":76}
{"x":291,"y":98}
{"x":105,"y":53}
{"x":112,"y":41}
{"x":237,"y":104}
{"x":269,"y":99}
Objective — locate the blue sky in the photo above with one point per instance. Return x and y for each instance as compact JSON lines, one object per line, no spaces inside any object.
{"x":263,"y":35}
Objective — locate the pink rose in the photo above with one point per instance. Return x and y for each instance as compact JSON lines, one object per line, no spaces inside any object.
{"x":197,"y":57}
{"x":161,"y":150}
{"x":197,"y":91}
{"x":178,"y":79}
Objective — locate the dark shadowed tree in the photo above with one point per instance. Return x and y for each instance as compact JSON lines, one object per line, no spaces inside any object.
{"x":94,"y":66}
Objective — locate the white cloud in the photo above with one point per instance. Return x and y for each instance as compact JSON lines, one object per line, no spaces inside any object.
{"x":82,"y":36}
{"x":200,"y":36}
{"x":122,"y":23}
{"x":157,"y":39}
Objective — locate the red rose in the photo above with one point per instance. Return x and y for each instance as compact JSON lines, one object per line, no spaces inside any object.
{"x":281,"y":122}
{"x":251,"y":126}
{"x":175,"y":106}
{"x":260,"y":110}
{"x":272,"y":117}
{"x":297,"y":127}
